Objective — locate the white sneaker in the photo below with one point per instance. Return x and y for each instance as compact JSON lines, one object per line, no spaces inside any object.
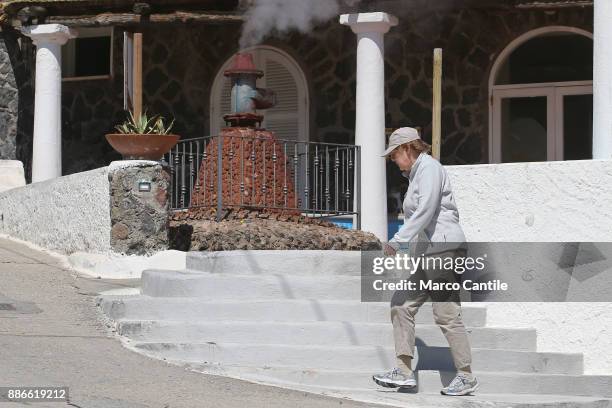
{"x":395,"y":379}
{"x":461,"y":385}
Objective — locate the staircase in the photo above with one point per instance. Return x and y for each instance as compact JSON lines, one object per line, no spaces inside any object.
{"x":297,"y":321}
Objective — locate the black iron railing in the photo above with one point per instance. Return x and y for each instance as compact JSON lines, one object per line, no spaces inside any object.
{"x":316,"y":179}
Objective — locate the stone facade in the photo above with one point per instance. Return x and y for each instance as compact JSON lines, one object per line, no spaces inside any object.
{"x":471,"y":39}
{"x":90,"y":109}
{"x":16,"y":97}
{"x":139,"y":219}
{"x":178,"y":79}
{"x":8,"y":101}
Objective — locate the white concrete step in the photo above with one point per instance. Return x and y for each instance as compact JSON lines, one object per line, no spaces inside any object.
{"x":315,"y":333}
{"x":204,"y":285}
{"x":311,"y":263}
{"x":430,"y":382}
{"x":350,"y":358}
{"x":505,"y":383}
{"x":292,"y":310}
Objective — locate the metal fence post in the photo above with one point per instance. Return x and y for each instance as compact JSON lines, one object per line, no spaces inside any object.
{"x":358,"y":185}
{"x":219,"y":176}
{"x":326,"y":194}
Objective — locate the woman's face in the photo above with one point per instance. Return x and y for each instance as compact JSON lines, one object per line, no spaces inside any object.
{"x":402,"y":159}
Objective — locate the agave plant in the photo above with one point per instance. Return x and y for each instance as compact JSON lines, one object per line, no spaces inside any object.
{"x":145,"y":125}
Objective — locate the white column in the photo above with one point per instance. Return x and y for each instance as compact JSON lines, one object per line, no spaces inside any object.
{"x":602,"y":80}
{"x":370,"y":124}
{"x":47,"y":143}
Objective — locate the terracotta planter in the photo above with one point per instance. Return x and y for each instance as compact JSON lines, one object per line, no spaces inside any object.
{"x":143,"y":147}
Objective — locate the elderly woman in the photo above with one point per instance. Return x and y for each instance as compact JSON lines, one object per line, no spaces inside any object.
{"x":430,"y":217}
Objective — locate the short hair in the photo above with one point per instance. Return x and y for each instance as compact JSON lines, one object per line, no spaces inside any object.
{"x":417,"y":145}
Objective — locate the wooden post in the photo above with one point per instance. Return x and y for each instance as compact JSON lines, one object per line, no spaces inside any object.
{"x":128,"y":71}
{"x":137,"y":75}
{"x":436,"y":138}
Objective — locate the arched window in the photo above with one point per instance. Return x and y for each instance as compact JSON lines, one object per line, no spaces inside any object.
{"x":542,"y":97}
{"x":289,"y":118}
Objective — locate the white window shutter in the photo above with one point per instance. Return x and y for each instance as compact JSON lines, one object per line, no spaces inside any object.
{"x":226,"y":101}
{"x":283,"y":119}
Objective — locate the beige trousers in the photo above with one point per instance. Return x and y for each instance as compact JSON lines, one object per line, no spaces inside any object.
{"x":446,"y":312}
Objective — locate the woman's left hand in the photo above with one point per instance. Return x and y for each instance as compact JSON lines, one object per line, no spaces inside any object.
{"x":389,"y":250}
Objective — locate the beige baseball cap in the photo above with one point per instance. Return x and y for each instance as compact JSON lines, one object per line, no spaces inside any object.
{"x":399,"y":137}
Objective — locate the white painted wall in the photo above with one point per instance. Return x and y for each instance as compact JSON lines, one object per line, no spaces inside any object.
{"x":11,"y":174}
{"x":544,"y":202}
{"x":66,"y":214}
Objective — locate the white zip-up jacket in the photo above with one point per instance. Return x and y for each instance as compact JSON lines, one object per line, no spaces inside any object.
{"x":430,"y":211}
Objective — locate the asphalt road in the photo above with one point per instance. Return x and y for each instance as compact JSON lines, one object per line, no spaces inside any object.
{"x":52,"y":335}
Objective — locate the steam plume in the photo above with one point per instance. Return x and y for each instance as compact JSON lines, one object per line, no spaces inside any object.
{"x":264,"y":17}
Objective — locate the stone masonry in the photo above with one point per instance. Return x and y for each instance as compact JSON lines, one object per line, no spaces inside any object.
{"x":8,"y":102}
{"x":16,"y":97}
{"x":139,"y":218}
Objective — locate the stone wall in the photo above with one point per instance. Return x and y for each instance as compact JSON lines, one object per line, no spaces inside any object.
{"x":8,"y":101}
{"x":472,"y":40}
{"x":16,"y":97}
{"x":138,"y":216}
{"x":181,"y":61}
{"x":90,"y":109}
{"x":11,"y":174}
